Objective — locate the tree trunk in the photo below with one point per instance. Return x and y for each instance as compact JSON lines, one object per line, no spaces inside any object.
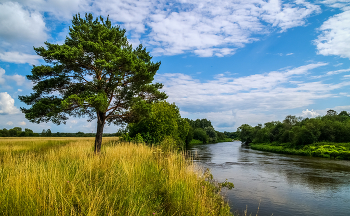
{"x":101,"y":117}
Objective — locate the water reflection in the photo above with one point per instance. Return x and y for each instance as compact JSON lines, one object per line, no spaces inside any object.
{"x":283,"y":184}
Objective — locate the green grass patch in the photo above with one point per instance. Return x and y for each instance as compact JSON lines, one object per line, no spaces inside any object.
{"x":322,"y":149}
{"x":196,"y":142}
{"x":226,"y":140}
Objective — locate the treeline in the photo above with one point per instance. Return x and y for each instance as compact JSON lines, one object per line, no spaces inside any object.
{"x":164,"y":122}
{"x":298,"y":131}
{"x":17,"y":132}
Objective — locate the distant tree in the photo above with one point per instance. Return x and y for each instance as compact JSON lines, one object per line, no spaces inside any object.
{"x":28,"y":132}
{"x":220,"y":135}
{"x":96,"y":73}
{"x":80,"y":134}
{"x":200,"y":134}
{"x":331,"y":112}
{"x":43,"y":133}
{"x":48,"y":133}
{"x":210,"y":131}
{"x":13,"y":132}
{"x":344,"y":113}
{"x":5,"y":132}
{"x":246,"y":133}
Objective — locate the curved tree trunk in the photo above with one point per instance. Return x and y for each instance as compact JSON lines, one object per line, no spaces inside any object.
{"x":101,"y":117}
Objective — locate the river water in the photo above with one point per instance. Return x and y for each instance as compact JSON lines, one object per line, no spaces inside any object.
{"x":280,"y":184}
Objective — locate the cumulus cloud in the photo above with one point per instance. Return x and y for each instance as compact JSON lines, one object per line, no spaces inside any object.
{"x":18,"y":79}
{"x":203,"y":27}
{"x":7,"y":104}
{"x":22,"y":123}
{"x":9,"y":123}
{"x":334,"y":38}
{"x":309,"y":113}
{"x":257,"y":94}
{"x":19,"y":58}
{"x":18,"y":23}
{"x":206,"y":27}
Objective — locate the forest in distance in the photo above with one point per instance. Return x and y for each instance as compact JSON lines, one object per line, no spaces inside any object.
{"x":323,"y":136}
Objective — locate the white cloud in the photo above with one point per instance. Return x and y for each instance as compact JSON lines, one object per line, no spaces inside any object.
{"x":7,"y":104}
{"x":9,"y":123}
{"x":289,"y":54}
{"x":334,"y":39}
{"x":18,"y":23}
{"x":288,"y":15}
{"x":2,"y":74}
{"x":309,"y":113}
{"x":258,"y":94}
{"x":342,"y":4}
{"x":205,"y":27}
{"x":22,"y":123}
{"x":19,"y":79}
{"x":19,"y":58}
{"x":339,"y":64}
{"x":330,"y":73}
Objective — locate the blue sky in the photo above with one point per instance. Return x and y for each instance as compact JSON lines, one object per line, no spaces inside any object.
{"x":232,"y":62}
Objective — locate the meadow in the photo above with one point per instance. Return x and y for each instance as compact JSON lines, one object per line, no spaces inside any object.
{"x":62,"y":176}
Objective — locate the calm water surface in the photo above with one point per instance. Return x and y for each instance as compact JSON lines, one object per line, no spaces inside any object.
{"x":282,"y":184}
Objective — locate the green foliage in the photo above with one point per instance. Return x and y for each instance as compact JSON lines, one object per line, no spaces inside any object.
{"x":138,"y":138}
{"x":299,"y":132}
{"x":246,"y":133}
{"x":232,"y":135}
{"x":212,"y":134}
{"x":195,"y":142}
{"x":200,"y":134}
{"x":326,"y":150}
{"x":164,"y":120}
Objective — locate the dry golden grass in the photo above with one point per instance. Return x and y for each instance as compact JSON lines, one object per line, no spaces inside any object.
{"x":124,"y":179}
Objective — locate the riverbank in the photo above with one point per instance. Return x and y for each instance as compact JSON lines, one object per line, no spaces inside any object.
{"x":125,"y":179}
{"x":323,"y":149}
{"x":198,"y":142}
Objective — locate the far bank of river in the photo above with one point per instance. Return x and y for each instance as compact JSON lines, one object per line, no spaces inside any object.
{"x":282,"y":184}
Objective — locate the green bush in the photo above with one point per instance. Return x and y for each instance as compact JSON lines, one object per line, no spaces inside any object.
{"x":200,"y":134}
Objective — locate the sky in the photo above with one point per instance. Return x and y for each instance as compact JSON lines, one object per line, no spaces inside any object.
{"x":232,"y":62}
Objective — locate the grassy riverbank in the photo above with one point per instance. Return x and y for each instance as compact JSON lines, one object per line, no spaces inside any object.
{"x":199,"y":142}
{"x":322,"y":149}
{"x":64,"y":177}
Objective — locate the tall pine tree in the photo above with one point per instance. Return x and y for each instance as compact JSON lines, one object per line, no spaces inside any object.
{"x":96,"y":74}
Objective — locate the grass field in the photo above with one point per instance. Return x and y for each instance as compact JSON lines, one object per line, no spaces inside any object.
{"x":62,"y":176}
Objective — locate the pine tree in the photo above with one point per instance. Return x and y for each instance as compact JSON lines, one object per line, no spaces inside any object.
{"x":96,"y":73}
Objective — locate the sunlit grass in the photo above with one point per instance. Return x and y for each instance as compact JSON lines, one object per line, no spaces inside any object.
{"x":125,"y":179}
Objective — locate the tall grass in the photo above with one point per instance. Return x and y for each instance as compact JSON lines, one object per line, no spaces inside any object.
{"x":125,"y":179}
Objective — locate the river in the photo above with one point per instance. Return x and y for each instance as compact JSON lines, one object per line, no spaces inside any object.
{"x":281,"y":184}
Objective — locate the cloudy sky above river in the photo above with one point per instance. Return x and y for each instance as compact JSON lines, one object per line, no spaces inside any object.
{"x":232,"y":62}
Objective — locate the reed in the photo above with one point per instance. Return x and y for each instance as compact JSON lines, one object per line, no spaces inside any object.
{"x":124,"y":179}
